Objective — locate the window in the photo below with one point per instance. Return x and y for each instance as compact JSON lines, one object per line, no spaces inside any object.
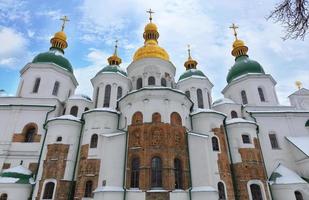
{"x":4,"y":196}
{"x":86,"y":109}
{"x":298,"y":195}
{"x":178,"y":174}
{"x":234,"y":114}
{"x":209,"y":99}
{"x":261,"y":94}
{"x":176,"y":119}
{"x":36,"y":85}
{"x":273,"y":141}
{"x":97,"y":97}
{"x":156,"y":172}
{"x":59,"y":139}
{"x":187,"y":93}
{"x":94,"y":141}
{"x":29,"y":136}
{"x":246,"y":139}
{"x":119,"y":92}
{"x":163,"y":82}
{"x":56,"y":88}
{"x":107,"y":96}
{"x":215,"y":144}
{"x":74,"y":111}
{"x":221,"y":191}
{"x":151,"y":80}
{"x":88,"y":189}
{"x":156,"y":117}
{"x":200,"y":101}
{"x":139,"y":83}
{"x":244,"y":97}
{"x":135,"y":173}
{"x":256,"y":192}
{"x":49,"y":190}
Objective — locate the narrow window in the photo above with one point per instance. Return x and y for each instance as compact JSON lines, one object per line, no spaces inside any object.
{"x":135,"y":173}
{"x":256,"y":192}
{"x":4,"y":196}
{"x":156,"y":117}
{"x":244,"y":97}
{"x":151,"y":80}
{"x":94,"y":141}
{"x":163,"y":82}
{"x":261,"y":94}
{"x":200,"y":101}
{"x":156,"y":172}
{"x":215,"y":144}
{"x":298,"y":195}
{"x":36,"y":85}
{"x":246,"y":139}
{"x":187,"y":93}
{"x":273,"y":141}
{"x":86,"y":109}
{"x":56,"y":88}
{"x":59,"y":139}
{"x":139,"y":83}
{"x":88,"y":189}
{"x":221,"y":191}
{"x":209,"y":99}
{"x":29,"y":136}
{"x":178,"y":174}
{"x":49,"y":190}
{"x":234,"y":114}
{"x":119,"y":92}
{"x":74,"y":111}
{"x":176,"y":119}
{"x":107,"y":96}
{"x":97,"y":97}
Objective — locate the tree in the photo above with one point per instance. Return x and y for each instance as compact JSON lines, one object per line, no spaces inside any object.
{"x":294,"y":16}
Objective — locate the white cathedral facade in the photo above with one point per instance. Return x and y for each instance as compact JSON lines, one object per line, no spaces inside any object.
{"x":146,"y":136}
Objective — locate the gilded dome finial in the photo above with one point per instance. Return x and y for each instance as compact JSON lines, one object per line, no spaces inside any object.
{"x":234,"y":27}
{"x":64,"y":19}
{"x":114,"y":59}
{"x":189,"y":52}
{"x":59,"y":41}
{"x":239,"y":47}
{"x":190,"y":63}
{"x":298,"y":84}
{"x":150,"y":14}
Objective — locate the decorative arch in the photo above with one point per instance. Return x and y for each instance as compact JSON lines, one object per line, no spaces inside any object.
{"x":49,"y":189}
{"x":221,"y":191}
{"x":156,"y":117}
{"x":74,"y":111}
{"x":137,"y":118}
{"x":29,"y":132}
{"x":88,"y":189}
{"x":256,"y":190}
{"x":151,"y":80}
{"x":176,"y":119}
{"x":234,"y":114}
{"x":94,"y":141}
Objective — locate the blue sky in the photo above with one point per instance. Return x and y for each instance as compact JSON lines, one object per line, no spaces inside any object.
{"x":27,"y":26}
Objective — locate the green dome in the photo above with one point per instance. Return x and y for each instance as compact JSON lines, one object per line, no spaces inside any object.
{"x":113,"y":68}
{"x":17,"y":174}
{"x":191,"y":72}
{"x":244,"y":65}
{"x":53,"y":57}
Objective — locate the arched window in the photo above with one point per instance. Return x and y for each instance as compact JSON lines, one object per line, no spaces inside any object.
{"x":221,"y":191}
{"x":137,"y":118}
{"x":49,"y":190}
{"x":86,"y":109}
{"x":4,"y":196}
{"x":244,"y":97}
{"x":151,"y":80}
{"x":139,"y":83}
{"x":119,"y":92}
{"x":156,"y":172}
{"x":107,"y":96}
{"x":74,"y":111}
{"x":234,"y":114}
{"x":187,"y":93}
{"x":156,"y":117}
{"x":298,"y":195}
{"x":215,"y":144}
{"x":178,"y":174}
{"x":246,"y":139}
{"x":163,"y":82}
{"x":200,"y":101}
{"x":97,"y":97}
{"x":29,"y":135}
{"x":176,"y":119}
{"x":88,"y":189}
{"x":261,"y":94}
{"x":135,"y":173}
{"x":273,"y":140}
{"x":256,"y":192}
{"x":36,"y":85}
{"x":59,"y":139}
{"x":56,"y":88}
{"x":94,"y":141}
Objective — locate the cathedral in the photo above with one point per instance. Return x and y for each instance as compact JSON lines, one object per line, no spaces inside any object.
{"x":146,"y":136}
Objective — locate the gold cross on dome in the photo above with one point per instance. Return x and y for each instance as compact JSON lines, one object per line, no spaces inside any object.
{"x":234,"y":27}
{"x":116,"y":47}
{"x":189,"y":51}
{"x":150,"y":14}
{"x":64,"y":19}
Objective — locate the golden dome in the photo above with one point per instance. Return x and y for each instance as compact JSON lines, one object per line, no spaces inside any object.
{"x":151,"y":50}
{"x":151,"y":27}
{"x":60,"y":35}
{"x":238,"y":43}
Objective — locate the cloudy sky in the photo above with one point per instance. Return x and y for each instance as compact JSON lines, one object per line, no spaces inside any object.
{"x":27,"y":26}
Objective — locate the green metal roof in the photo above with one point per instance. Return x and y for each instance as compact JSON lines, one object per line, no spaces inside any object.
{"x":244,"y":65}
{"x":21,"y":174}
{"x":307,"y":123}
{"x":55,"y":57}
{"x":191,"y":72}
{"x":113,"y":68}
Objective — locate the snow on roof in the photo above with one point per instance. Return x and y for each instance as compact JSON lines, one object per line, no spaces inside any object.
{"x":8,"y":180}
{"x":223,"y":101}
{"x":238,"y":120}
{"x":199,"y":110}
{"x":103,"y":109}
{"x":19,"y":169}
{"x":80,"y":96}
{"x":203,"y":189}
{"x":302,"y":91}
{"x":66,"y":117}
{"x":283,"y":175}
{"x":302,"y":143}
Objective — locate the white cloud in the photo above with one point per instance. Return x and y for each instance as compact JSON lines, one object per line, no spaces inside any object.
{"x":13,"y":10}
{"x":52,"y":14}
